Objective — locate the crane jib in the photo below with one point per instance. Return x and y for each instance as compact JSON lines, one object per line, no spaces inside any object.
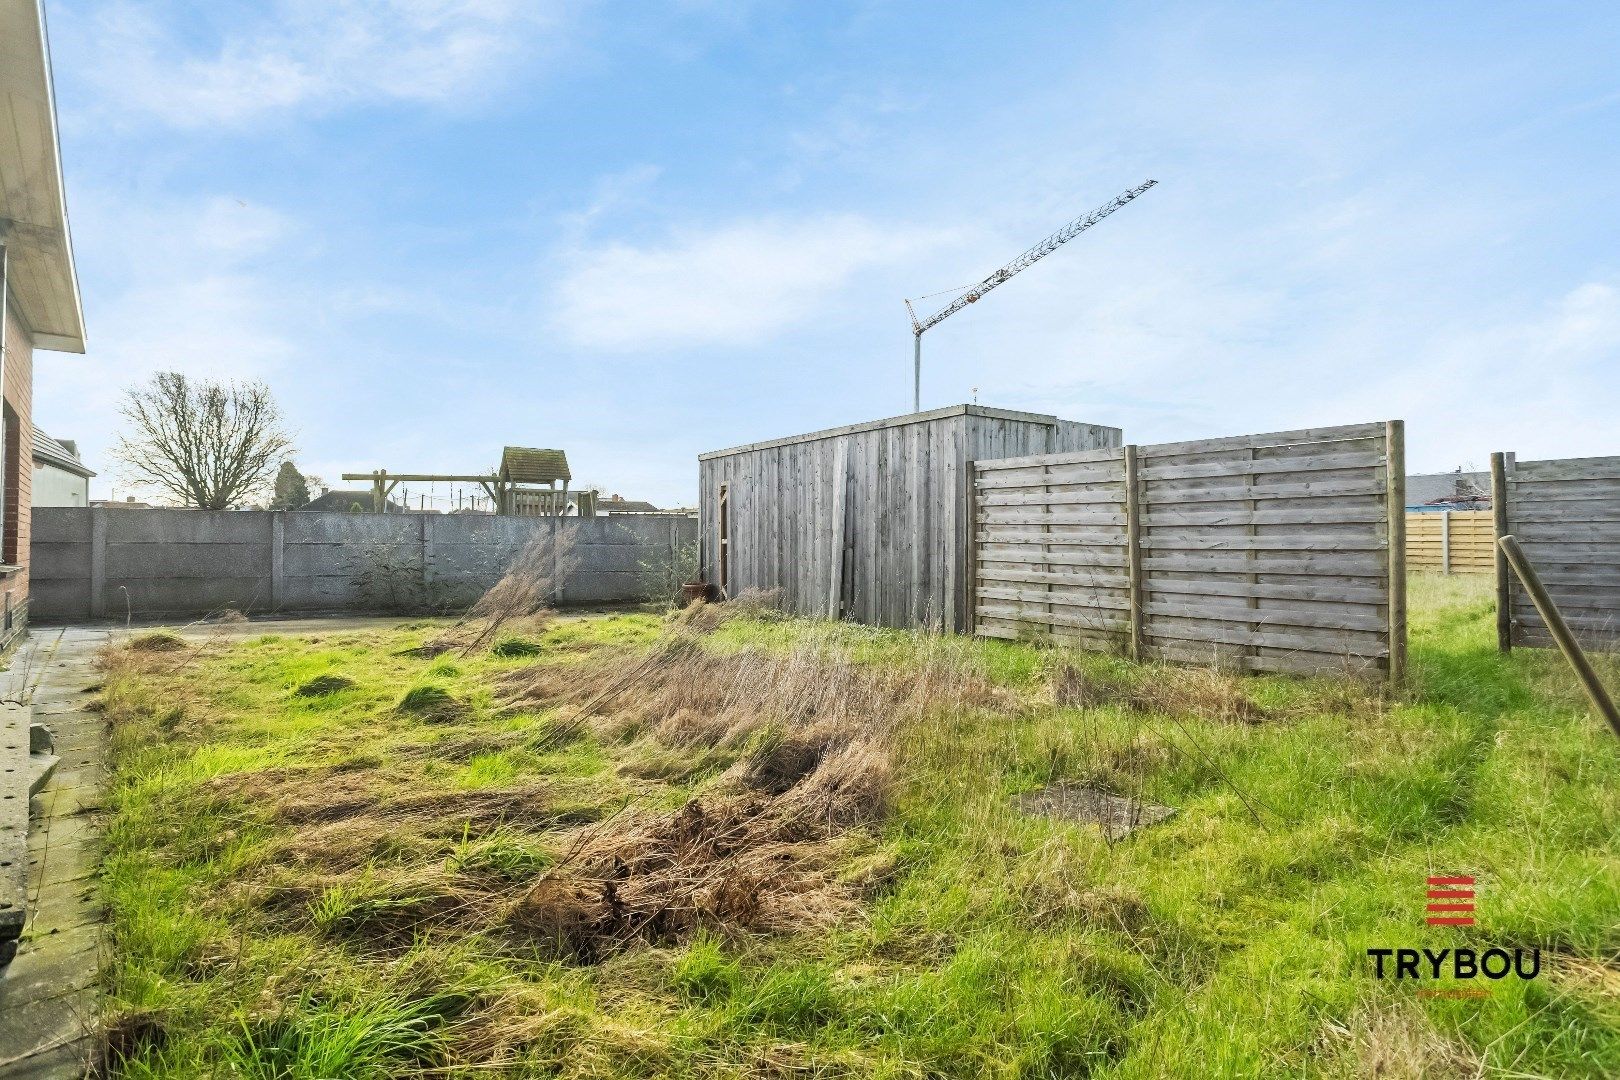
{"x":1030,"y":257}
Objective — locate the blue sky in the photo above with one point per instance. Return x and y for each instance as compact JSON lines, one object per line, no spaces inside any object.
{"x":639,"y":231}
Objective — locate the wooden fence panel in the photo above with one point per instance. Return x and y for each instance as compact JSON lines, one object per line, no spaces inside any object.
{"x":1261,"y":552}
{"x":1566,"y":515}
{"x":1451,"y":541}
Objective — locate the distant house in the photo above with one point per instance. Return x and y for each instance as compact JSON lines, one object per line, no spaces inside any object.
{"x":1449,"y":491}
{"x":60,"y":478}
{"x":129,"y":502}
{"x":612,"y":504}
{"x":350,"y":500}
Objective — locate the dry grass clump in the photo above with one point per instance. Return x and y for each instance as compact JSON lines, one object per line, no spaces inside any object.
{"x":682,"y":694}
{"x":745,"y":863}
{"x":816,"y":733}
{"x":432,"y":703}
{"x":524,"y":592}
{"x":156,"y":641}
{"x":325,"y":685}
{"x":512,"y":647}
{"x":705,"y":617}
{"x":1192,"y":691}
{"x":1395,"y":1044}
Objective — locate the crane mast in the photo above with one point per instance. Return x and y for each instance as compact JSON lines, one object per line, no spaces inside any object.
{"x":1018,"y":265}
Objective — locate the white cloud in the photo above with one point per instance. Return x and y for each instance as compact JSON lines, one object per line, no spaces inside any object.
{"x":736,"y":284}
{"x":1539,"y":385}
{"x":308,"y":54}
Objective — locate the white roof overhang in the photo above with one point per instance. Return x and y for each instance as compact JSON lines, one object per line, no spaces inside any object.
{"x":33,"y":209}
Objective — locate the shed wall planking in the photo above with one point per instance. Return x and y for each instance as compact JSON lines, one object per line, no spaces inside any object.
{"x":866,"y":522}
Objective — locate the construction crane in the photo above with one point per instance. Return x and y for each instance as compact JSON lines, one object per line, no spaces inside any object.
{"x":1029,"y":258}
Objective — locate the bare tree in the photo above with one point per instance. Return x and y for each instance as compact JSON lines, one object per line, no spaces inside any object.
{"x":209,"y":444}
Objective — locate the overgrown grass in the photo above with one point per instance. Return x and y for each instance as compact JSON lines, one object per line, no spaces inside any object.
{"x":347,"y":882}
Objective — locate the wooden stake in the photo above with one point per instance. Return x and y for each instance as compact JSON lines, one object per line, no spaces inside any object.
{"x":1504,"y":585}
{"x":1133,"y":552}
{"x":1560,"y":631}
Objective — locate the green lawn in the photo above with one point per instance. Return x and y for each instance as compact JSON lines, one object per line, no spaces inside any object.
{"x":631,"y":846}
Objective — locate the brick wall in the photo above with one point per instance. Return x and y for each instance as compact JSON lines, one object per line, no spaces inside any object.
{"x":17,"y":389}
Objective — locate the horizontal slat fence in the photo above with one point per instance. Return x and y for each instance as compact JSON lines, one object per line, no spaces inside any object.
{"x":1451,"y":541}
{"x":1260,"y":552}
{"x":1566,"y":515}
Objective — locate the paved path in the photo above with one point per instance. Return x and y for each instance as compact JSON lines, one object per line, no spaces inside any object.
{"x":48,"y":995}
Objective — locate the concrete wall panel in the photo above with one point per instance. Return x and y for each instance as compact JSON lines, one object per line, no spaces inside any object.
{"x":54,"y":561}
{"x":185,"y":526}
{"x":170,"y":562}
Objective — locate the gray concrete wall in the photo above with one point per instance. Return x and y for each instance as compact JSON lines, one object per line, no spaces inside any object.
{"x":101,"y":562}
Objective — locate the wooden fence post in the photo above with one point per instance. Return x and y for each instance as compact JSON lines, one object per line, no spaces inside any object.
{"x":1133,"y":553}
{"x":1395,"y":502}
{"x":970,"y":572}
{"x":1504,"y":586}
{"x":1510,"y":549}
{"x":1445,"y":542}
{"x":835,"y":583}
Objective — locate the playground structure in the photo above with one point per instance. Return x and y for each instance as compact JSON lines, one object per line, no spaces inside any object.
{"x":525,"y":485}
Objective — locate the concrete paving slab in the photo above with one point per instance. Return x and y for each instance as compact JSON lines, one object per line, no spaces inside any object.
{"x":42,"y":1024}
{"x":48,"y":996}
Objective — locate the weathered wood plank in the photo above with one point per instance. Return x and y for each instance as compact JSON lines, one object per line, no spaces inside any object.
{"x":1002,"y":516}
{"x":1263,"y":466}
{"x":1275,"y":438}
{"x":1038,"y":615}
{"x":1594,"y":468}
{"x":1349,"y":643}
{"x":1318,"y":489}
{"x":1369,"y":564}
{"x":1372,"y":512}
{"x":1103,"y":457}
{"x":1326,"y":619}
{"x":1159,"y":542}
{"x":1074,"y":536}
{"x":1216,"y":585}
{"x":1114,"y":496}
{"x":1089,"y":598}
{"x":991,"y":573}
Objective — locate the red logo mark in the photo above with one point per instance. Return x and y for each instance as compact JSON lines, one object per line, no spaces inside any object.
{"x":1451,"y":901}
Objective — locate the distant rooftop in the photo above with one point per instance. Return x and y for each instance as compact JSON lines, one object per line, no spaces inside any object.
{"x":348,"y":500}
{"x":64,"y":455}
{"x":1459,"y":486}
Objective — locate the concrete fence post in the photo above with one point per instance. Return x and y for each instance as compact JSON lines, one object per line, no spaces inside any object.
{"x":556,"y":555}
{"x":278,"y":559}
{"x":98,"y":562}
{"x":428,"y":554}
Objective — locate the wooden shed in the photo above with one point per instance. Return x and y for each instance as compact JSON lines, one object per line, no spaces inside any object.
{"x":865,"y":522}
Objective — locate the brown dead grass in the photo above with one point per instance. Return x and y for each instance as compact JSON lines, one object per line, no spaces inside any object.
{"x":1202,"y":692}
{"x":523,"y":594}
{"x":758,"y":854}
{"x":705,"y":617}
{"x":340,"y":820}
{"x":155,"y":641}
{"x":1401,"y":1044}
{"x":746,"y":863}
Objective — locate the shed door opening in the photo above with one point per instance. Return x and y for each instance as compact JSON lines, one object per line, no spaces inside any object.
{"x":725,"y":539}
